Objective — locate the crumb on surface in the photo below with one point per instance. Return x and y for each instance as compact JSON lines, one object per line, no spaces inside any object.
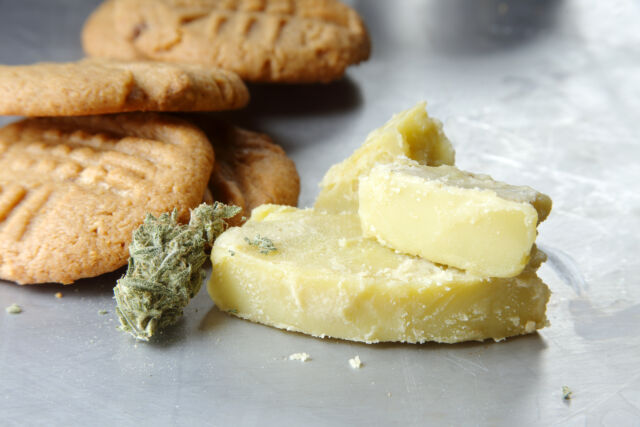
{"x":58,"y":294}
{"x":14,"y":309}
{"x":355,"y":362}
{"x":102,"y":312}
{"x":567,"y":393}
{"x":302,"y":357}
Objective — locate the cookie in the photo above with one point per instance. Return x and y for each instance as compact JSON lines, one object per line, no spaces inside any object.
{"x":98,"y":86}
{"x":292,"y":41}
{"x":73,"y":189}
{"x":98,"y":35}
{"x":250,"y":169}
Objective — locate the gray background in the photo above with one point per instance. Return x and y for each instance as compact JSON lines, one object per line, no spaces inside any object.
{"x":545,"y":93}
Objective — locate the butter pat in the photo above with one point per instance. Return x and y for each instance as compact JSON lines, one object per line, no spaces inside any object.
{"x":409,"y":135}
{"x":452,"y":217}
{"x":327,"y":279}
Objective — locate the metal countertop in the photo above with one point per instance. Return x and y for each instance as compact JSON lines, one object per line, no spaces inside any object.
{"x":537,"y":92}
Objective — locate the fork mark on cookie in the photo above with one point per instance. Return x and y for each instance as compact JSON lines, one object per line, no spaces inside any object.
{"x":10,"y":196}
{"x":21,"y":215}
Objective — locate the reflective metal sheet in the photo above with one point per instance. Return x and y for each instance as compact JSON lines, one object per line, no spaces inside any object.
{"x":544,"y":93}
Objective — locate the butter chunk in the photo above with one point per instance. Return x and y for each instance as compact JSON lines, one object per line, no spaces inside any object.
{"x":409,"y":135}
{"x":326,"y":279}
{"x":452,"y":217}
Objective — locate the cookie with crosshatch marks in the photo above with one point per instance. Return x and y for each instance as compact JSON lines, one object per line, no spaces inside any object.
{"x":261,"y":40}
{"x":73,"y":189}
{"x":99,"y":86}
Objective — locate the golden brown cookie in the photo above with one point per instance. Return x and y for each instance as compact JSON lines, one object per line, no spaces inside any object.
{"x":99,"y":33}
{"x":250,"y":169}
{"x":99,"y":86}
{"x":72,"y":190}
{"x":261,"y":40}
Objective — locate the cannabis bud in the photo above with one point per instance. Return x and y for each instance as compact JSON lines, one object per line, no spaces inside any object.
{"x":165,"y":267}
{"x":265,"y":244}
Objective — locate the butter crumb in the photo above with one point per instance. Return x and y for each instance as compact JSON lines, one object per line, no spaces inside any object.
{"x":14,"y":309}
{"x":355,"y":362}
{"x":58,"y":294}
{"x":530,"y":326}
{"x":302,"y":357}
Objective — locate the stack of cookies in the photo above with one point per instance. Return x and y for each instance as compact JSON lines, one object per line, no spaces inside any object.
{"x":98,"y":152}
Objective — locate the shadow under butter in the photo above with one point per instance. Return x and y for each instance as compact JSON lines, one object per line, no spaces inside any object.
{"x":213,"y":319}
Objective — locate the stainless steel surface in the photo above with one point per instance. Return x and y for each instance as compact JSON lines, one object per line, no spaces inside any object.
{"x":545,"y":93}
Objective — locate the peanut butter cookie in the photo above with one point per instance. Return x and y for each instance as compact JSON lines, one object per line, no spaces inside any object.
{"x":72,"y":190}
{"x":98,"y":36}
{"x":263,"y":40}
{"x":99,"y":86}
{"x":250,"y":169}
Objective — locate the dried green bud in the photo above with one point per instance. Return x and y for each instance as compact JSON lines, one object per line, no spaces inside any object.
{"x":165,"y":267}
{"x":265,"y":244}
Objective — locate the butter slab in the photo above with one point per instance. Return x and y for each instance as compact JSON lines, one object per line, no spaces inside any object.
{"x":452,"y":217}
{"x":326,"y":279}
{"x":409,"y":135}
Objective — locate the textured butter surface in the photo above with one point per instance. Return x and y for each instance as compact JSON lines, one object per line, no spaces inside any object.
{"x":326,"y":279}
{"x":452,"y":217}
{"x":409,"y":135}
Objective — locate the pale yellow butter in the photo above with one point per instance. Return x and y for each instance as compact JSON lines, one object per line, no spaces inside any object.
{"x":326,"y":279}
{"x":409,"y":135}
{"x":452,"y":217}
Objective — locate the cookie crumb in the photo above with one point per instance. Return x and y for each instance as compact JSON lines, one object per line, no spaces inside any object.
{"x":58,"y":295}
{"x":355,"y":362}
{"x":14,"y":309}
{"x":302,"y":357}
